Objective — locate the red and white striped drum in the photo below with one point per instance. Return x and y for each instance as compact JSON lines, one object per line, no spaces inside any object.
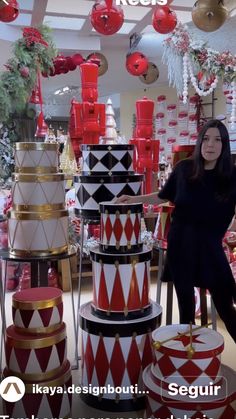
{"x":217,"y":403}
{"x":121,"y":283}
{"x":36,"y":157}
{"x":44,"y":405}
{"x":179,"y":361}
{"x":114,"y":354}
{"x":37,"y":310}
{"x":35,"y":357}
{"x":120,"y":227}
{"x":163,"y":223}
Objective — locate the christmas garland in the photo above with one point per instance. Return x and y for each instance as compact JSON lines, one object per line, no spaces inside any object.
{"x":181,"y":48}
{"x":33,"y":52}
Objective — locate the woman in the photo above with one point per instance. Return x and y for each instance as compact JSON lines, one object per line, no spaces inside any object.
{"x":203,"y":190}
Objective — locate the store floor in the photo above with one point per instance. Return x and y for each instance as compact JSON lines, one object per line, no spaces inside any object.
{"x":80,"y":409}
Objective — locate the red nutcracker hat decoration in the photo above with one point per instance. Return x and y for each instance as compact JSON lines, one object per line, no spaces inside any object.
{"x":106,"y":17}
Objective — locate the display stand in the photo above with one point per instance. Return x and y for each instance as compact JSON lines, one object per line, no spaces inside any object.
{"x":39,"y":278}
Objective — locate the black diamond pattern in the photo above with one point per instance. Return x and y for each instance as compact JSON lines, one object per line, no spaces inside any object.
{"x":103,"y":194}
{"x":91,"y":160}
{"x":109,"y":161}
{"x":127,"y":190}
{"x":126,"y":160}
{"x":82,"y":195}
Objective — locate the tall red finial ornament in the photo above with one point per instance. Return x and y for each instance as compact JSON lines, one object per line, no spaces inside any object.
{"x":9,"y":11}
{"x":136,"y":63}
{"x":106,"y":17}
{"x":164,"y":19}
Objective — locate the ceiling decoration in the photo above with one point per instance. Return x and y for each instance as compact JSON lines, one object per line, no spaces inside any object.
{"x":209,"y":15}
{"x":106,"y":17}
{"x":9,"y":11}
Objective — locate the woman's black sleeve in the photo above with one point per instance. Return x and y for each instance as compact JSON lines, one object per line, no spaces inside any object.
{"x":169,"y":189}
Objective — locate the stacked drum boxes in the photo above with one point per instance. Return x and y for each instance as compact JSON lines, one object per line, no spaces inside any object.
{"x":36,"y":352}
{"x":116,"y":326}
{"x":187,"y":378}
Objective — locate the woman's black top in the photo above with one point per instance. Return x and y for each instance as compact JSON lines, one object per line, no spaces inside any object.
{"x":199,"y":222}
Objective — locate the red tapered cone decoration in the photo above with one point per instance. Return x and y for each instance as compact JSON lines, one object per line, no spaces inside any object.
{"x":164,"y":20}
{"x":9,"y":12}
{"x":106,"y":17}
{"x":136,"y":63}
{"x":42,"y":128}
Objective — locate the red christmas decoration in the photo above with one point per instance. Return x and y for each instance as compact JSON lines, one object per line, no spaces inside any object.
{"x":106,"y":17}
{"x":24,"y":71}
{"x":77,"y":59}
{"x":10,"y":12}
{"x":42,"y":128}
{"x":35,"y":96}
{"x":164,"y":20}
{"x":33,"y":36}
{"x":136,"y":63}
{"x":70,"y":64}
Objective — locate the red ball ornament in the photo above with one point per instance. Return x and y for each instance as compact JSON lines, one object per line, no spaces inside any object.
{"x":106,"y":17}
{"x":164,"y":20}
{"x":136,"y":63}
{"x":24,"y":71}
{"x":77,"y":59}
{"x":70,"y":64}
{"x":10,"y":12}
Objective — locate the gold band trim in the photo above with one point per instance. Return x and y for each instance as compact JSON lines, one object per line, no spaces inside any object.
{"x":43,"y":342}
{"x":36,"y":146}
{"x":37,"y":169}
{"x":58,"y":382}
{"x":41,"y":253}
{"x":36,"y":330}
{"x":39,"y":376}
{"x":39,"y":208}
{"x":20,"y":177}
{"x":36,"y":305}
{"x":21,"y":216}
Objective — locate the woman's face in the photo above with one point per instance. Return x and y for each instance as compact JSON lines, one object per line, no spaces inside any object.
{"x":211,"y":147}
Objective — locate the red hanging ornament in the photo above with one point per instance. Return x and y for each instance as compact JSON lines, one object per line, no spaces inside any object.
{"x":70,"y":64}
{"x":9,"y":12}
{"x":42,"y":128}
{"x":164,"y":20}
{"x":35,"y":96}
{"x":136,"y":63}
{"x":24,"y":71}
{"x":106,"y":17}
{"x":59,"y":63}
{"x":77,"y":59}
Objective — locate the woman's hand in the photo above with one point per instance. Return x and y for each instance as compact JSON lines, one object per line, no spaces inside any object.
{"x":125,"y":199}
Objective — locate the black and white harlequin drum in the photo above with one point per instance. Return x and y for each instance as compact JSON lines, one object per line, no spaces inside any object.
{"x":120,"y":227}
{"x":114,"y":354}
{"x":115,"y":159}
{"x":121,"y":284}
{"x":169,"y":401}
{"x":91,"y":190}
{"x":176,"y":360}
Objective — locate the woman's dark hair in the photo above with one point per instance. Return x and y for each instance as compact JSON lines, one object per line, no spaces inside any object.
{"x":224,"y":165}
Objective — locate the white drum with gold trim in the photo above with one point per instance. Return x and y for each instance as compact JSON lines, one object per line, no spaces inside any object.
{"x":114,"y":353}
{"x":186,"y":360}
{"x":35,"y":357}
{"x":120,"y":227}
{"x":38,"y":233}
{"x":36,"y":157}
{"x":217,"y":403}
{"x":121,"y":283}
{"x":37,"y":310}
{"x":43,"y":405}
{"x":38,"y":192}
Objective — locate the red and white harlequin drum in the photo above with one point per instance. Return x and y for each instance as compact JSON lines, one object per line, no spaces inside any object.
{"x":114,"y":354}
{"x":163,"y":222}
{"x":120,"y":227}
{"x":176,"y":363}
{"x":218,"y":401}
{"x":37,"y":310}
{"x":35,"y":357}
{"x":121,"y":283}
{"x":44,"y":405}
